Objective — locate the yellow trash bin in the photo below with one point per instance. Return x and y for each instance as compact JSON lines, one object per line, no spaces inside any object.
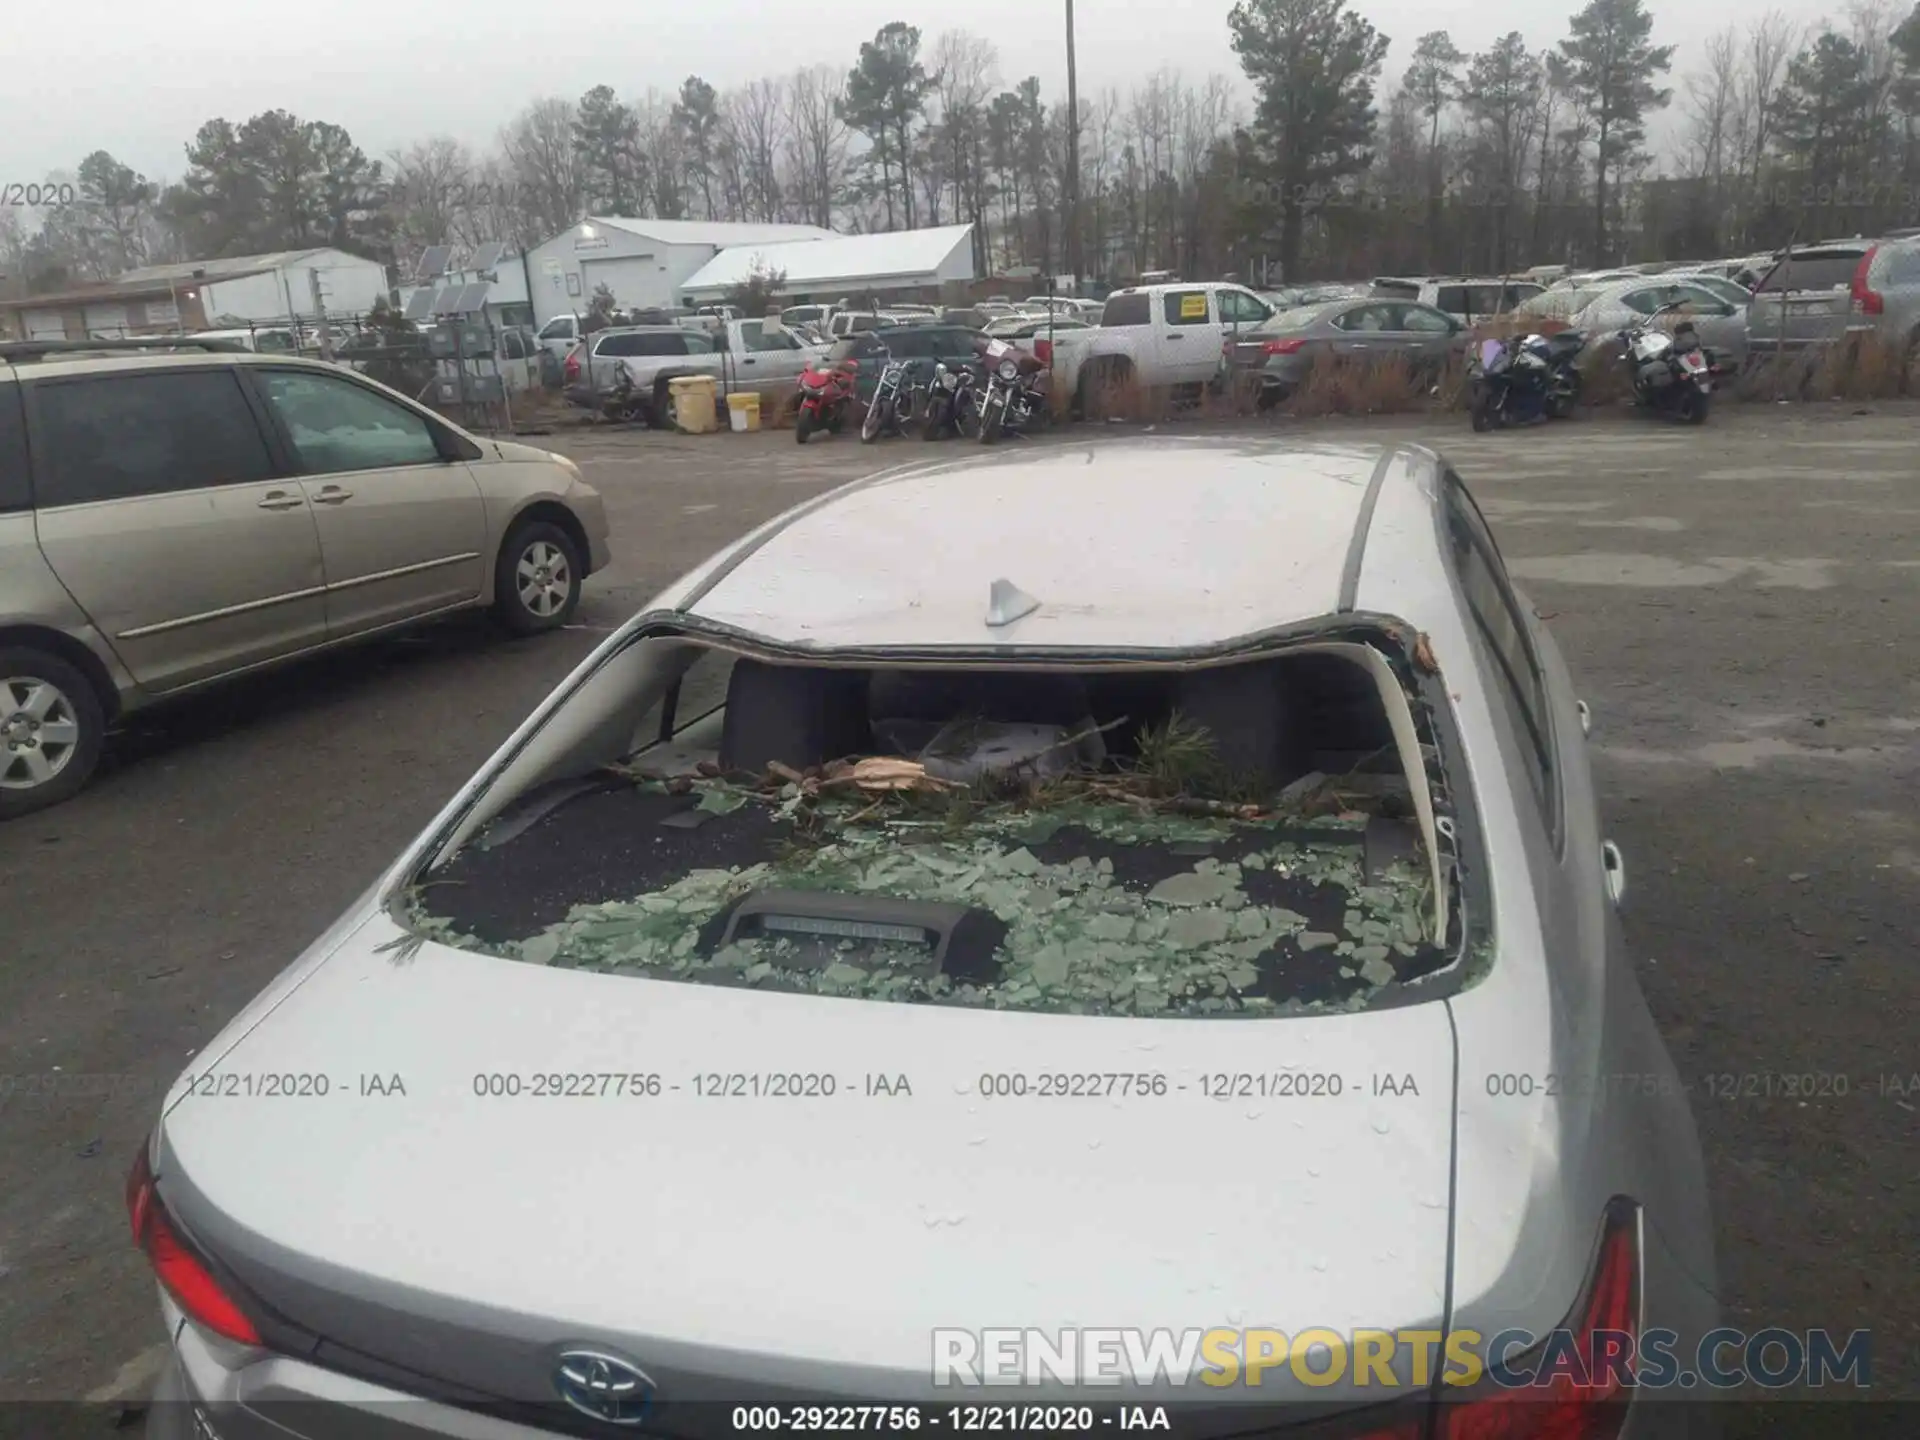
{"x":743,"y":411}
{"x":694,"y":400}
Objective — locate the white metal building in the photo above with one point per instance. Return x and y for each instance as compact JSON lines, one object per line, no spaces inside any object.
{"x":644,"y":262}
{"x":848,"y":265}
{"x":256,"y":289}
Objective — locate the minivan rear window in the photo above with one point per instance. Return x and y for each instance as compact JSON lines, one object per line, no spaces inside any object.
{"x":16,"y":490}
{"x":117,"y":437}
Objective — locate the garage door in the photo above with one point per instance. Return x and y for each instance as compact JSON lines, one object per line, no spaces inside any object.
{"x":635,"y":282}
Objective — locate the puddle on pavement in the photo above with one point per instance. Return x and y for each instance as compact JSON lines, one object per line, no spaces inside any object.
{"x":1665,"y":572}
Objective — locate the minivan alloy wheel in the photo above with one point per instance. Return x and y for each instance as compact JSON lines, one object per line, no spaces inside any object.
{"x":39,"y":732}
{"x":544,"y":578}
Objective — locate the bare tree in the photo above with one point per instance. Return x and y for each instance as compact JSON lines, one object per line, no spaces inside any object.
{"x":1712,"y":97}
{"x":1871,"y":25}
{"x":758,"y":115}
{"x":435,"y":190}
{"x":1769,"y":44}
{"x":663,"y":151}
{"x":964,"y":70}
{"x":1100,"y":135}
{"x":819,"y":140}
{"x":538,"y":148}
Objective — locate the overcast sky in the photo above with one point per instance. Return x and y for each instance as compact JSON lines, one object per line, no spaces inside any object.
{"x":137,"y":77}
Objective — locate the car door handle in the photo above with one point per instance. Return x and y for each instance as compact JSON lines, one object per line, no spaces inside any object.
{"x":1176,"y":337}
{"x":332,"y":495}
{"x":281,"y":500}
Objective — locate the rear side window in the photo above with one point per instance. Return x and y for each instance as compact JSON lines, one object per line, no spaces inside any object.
{"x":16,"y":493}
{"x":1126,"y":310}
{"x":1451,"y":298}
{"x":1824,"y":270}
{"x":117,"y":437}
{"x":906,"y":344}
{"x":1518,"y":683}
{"x":619,"y":345}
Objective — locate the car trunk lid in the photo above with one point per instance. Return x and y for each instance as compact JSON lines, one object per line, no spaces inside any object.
{"x":461,"y":1232}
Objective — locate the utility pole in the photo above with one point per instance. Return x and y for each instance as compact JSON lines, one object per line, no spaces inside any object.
{"x":1073,"y":161}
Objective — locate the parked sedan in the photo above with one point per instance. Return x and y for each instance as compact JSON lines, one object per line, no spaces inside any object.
{"x":1602,"y":310}
{"x":681,"y":1058}
{"x":1282,"y":351}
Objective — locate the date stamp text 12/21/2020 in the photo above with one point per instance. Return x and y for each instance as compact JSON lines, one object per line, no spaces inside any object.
{"x":16,"y":194}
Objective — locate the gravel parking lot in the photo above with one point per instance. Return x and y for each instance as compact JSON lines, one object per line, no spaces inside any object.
{"x":1741,"y":605}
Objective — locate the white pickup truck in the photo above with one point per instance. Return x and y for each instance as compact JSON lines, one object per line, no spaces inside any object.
{"x":1170,"y":337}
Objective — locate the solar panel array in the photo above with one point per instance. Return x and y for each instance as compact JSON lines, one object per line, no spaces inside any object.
{"x":420,"y":303}
{"x":433,"y":264}
{"x":487,"y":256}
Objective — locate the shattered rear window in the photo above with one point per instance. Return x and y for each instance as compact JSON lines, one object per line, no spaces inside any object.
{"x":1083,"y":907}
{"x":994,"y":864}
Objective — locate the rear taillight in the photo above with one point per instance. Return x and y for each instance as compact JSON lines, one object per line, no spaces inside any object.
{"x":1043,"y":351}
{"x":1283,"y":347}
{"x":1866,"y":301}
{"x":185,"y":1277}
{"x":1584,"y":1380}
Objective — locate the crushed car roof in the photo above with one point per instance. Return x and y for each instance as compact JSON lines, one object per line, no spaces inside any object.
{"x":1171,"y":544}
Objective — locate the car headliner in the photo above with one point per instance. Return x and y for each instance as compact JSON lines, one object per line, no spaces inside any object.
{"x":1169,"y":544}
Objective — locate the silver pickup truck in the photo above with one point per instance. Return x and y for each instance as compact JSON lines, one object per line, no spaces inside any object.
{"x":743,"y":355}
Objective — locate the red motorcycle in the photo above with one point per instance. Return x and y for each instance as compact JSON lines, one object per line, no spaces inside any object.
{"x":826,"y":397}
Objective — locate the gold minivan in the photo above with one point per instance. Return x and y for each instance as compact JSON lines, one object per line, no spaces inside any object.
{"x":173,"y":513}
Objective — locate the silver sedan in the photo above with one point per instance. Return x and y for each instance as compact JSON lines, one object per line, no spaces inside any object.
{"x":1601,"y":310}
{"x":1282,"y":351}
{"x":1215,"y":929}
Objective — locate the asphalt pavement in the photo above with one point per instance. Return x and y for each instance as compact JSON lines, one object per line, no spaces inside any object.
{"x":1740,"y":605}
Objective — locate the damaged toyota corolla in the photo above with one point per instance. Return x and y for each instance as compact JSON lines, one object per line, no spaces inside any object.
{"x":1152,"y":887}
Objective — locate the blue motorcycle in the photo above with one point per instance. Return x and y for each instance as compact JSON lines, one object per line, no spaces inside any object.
{"x":1526,"y":380}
